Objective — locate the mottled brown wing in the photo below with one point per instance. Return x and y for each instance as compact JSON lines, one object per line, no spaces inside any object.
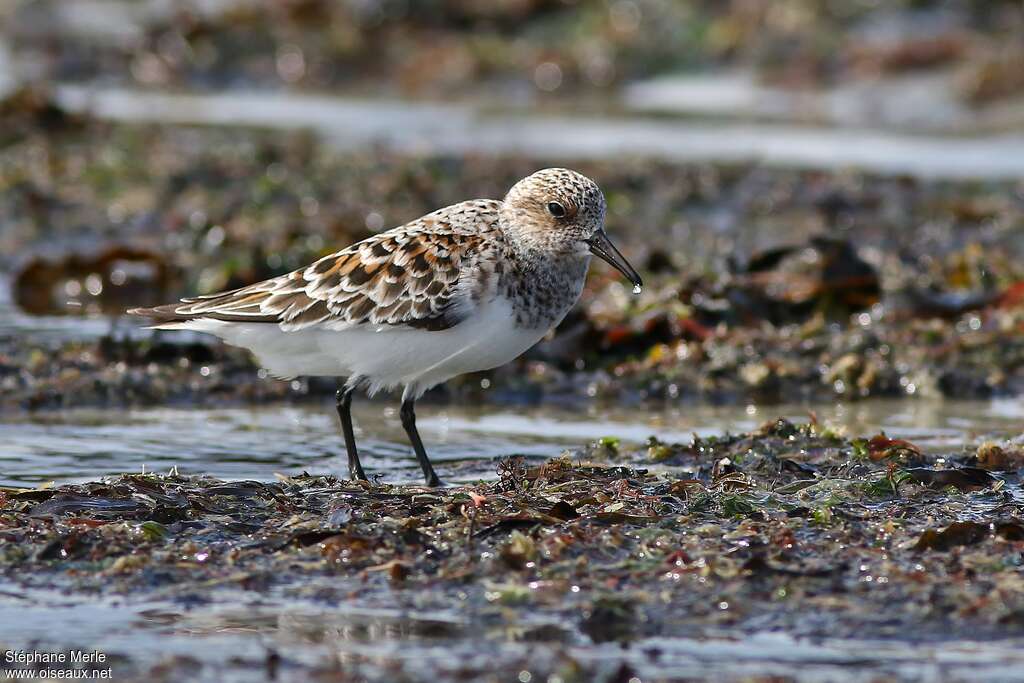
{"x":400,"y":277}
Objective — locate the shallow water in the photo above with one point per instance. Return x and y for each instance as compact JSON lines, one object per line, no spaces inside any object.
{"x":417,"y":127}
{"x":377,"y":642}
{"x":256,"y":443}
{"x":381,"y":634}
{"x":916,"y":102}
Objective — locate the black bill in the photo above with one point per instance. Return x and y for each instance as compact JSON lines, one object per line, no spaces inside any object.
{"x":603,"y":248}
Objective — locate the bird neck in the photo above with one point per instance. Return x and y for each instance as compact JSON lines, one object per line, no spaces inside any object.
{"x":543,"y":289}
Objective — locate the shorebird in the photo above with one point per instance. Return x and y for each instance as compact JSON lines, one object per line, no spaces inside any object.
{"x":466,"y":288}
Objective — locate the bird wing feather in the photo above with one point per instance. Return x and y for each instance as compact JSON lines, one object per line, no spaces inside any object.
{"x":406,"y":276}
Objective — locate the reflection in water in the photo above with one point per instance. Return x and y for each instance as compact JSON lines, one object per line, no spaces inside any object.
{"x":258,"y":442}
{"x":351,"y":626}
{"x":389,"y":640}
{"x":387,"y":634}
{"x":392,"y":643}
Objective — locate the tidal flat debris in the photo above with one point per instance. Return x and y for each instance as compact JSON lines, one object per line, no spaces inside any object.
{"x":808,"y":316}
{"x":737,"y":320}
{"x":670,"y":538}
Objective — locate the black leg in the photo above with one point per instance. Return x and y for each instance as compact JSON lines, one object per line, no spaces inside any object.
{"x":344,"y":400}
{"x":409,"y":422}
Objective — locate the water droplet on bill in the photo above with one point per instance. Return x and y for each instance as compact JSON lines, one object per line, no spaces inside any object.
{"x":637,"y":289}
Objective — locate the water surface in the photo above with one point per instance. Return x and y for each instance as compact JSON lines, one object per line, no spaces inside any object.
{"x":379,"y":642}
{"x":460,"y":128}
{"x":381,"y":634}
{"x":257,"y":443}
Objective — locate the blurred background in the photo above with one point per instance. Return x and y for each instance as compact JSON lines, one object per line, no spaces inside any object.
{"x":825,"y":197}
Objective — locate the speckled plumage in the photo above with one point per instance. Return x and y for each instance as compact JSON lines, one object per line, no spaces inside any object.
{"x":416,"y":275}
{"x":465,"y":288}
{"x":430,"y":272}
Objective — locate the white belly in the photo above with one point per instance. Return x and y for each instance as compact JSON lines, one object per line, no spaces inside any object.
{"x":421,"y":359}
{"x":387,"y":357}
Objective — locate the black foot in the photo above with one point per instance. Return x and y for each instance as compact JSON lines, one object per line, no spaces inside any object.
{"x":344,"y":404}
{"x":408,"y":415}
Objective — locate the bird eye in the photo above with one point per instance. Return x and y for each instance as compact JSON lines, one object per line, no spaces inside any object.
{"x":556,"y":209}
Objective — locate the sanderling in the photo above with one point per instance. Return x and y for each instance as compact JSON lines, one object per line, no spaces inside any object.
{"x":465,"y":288}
